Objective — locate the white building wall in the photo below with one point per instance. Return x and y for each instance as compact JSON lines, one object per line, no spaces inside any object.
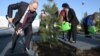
{"x":3,"y":22}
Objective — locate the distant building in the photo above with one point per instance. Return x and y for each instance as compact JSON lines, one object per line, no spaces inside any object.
{"x":3,"y":22}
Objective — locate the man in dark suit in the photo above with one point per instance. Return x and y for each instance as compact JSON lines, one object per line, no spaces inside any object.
{"x":22,"y":20}
{"x":68,"y":15}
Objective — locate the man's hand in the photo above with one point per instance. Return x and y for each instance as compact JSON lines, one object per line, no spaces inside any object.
{"x":18,"y":31}
{"x":10,"y":20}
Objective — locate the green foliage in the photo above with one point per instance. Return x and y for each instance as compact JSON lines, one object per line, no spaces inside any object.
{"x":51,"y":18}
{"x":98,"y":24}
{"x":50,"y":0}
{"x":97,"y":17}
{"x":50,"y":9}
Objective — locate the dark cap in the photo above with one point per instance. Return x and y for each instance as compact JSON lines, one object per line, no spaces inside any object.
{"x":42,"y":10}
{"x":65,"y":5}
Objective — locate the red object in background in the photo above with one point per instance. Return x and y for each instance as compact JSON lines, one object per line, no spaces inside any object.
{"x":62,"y":13}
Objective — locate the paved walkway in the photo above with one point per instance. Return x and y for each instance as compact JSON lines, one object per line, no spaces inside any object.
{"x":83,"y":43}
{"x":5,"y":43}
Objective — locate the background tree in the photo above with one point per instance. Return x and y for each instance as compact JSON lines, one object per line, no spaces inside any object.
{"x":81,"y":22}
{"x":97,"y":17}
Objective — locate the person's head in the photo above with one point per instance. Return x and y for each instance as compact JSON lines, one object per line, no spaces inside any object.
{"x":65,"y":6}
{"x":43,"y":14}
{"x":42,"y":11}
{"x":33,"y":6}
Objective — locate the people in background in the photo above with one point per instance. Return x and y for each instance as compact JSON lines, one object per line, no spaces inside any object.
{"x":68,"y":15}
{"x":88,"y":21}
{"x":43,"y":26}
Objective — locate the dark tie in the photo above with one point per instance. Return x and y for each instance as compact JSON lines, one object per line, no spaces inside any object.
{"x":25,"y":19}
{"x":66,"y":16}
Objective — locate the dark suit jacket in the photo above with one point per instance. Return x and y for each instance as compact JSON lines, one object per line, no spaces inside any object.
{"x":21,"y":7}
{"x":72,"y":17}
